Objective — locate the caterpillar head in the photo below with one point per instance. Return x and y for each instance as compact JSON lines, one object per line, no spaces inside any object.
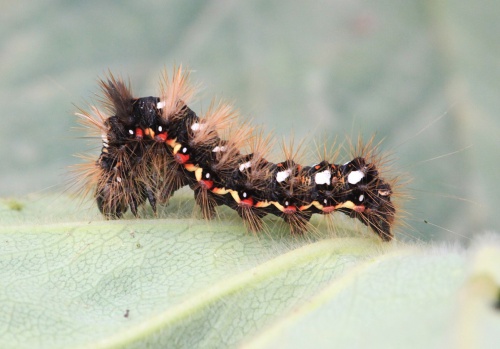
{"x":146,"y":112}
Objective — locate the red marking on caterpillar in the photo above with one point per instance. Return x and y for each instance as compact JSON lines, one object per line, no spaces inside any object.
{"x":161,"y":137}
{"x":153,"y":146}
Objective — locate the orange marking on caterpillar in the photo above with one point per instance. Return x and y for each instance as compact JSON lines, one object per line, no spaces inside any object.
{"x":181,"y":158}
{"x":246,"y":202}
{"x":161,"y":137}
{"x":206,"y":184}
{"x":138,"y":133}
{"x":328,"y":209}
{"x":359,"y":208}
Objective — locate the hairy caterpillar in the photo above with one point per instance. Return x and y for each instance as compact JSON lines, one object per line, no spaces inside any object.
{"x":152,"y":146}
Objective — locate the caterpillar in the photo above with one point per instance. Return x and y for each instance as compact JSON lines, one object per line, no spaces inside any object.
{"x":153,"y":146}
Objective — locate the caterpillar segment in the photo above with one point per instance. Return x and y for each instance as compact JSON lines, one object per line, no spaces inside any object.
{"x":116,"y":174}
{"x":257,"y":188}
{"x":152,"y":146}
{"x":173,"y":118}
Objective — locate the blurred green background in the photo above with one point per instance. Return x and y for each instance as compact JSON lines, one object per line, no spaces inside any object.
{"x":335,"y":68}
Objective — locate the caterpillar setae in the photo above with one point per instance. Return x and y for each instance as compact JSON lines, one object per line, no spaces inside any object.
{"x":152,"y":146}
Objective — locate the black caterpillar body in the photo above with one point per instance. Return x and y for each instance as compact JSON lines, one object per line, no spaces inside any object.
{"x":152,"y":146}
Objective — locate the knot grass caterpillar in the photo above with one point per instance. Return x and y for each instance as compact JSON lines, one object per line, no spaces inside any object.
{"x":153,"y":146}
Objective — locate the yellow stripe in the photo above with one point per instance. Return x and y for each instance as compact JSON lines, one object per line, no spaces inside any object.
{"x":263,"y":204}
{"x":235,"y":196}
{"x":348,"y":204}
{"x":220,"y":191}
{"x":315,"y":203}
{"x":197,"y":173}
{"x":278,"y":206}
{"x":177,"y":147}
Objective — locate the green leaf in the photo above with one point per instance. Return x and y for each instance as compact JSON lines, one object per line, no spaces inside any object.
{"x":399,"y":300}
{"x":70,"y":279}
{"x":180,"y":282}
{"x":72,"y":282}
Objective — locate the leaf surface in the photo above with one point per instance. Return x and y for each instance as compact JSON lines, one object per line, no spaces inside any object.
{"x":180,"y":282}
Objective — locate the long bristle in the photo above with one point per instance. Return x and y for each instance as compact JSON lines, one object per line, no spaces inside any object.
{"x":326,"y":151}
{"x":219,"y":116}
{"x":292,"y":152}
{"x":175,"y":93}
{"x":162,"y":174}
{"x":233,"y":140}
{"x":93,"y":124}
{"x":293,"y":157}
{"x":117,"y":97}
{"x":205,"y":200}
{"x":260,"y":146}
{"x":369,"y":150}
{"x":84,"y":176}
{"x":252,"y":219}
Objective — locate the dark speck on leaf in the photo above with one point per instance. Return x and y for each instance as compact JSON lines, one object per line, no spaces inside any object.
{"x":15,"y":205}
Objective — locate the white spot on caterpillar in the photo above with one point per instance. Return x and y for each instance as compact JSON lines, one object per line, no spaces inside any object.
{"x":355,"y":176}
{"x":119,"y":179}
{"x":245,"y":166}
{"x":104,"y":138}
{"x":283,"y":175}
{"x":131,"y":132}
{"x":221,"y":148}
{"x":323,"y":177}
{"x":197,"y":126}
{"x":105,"y":144}
{"x":160,"y":105}
{"x":160,"y":128}
{"x":361,"y":198}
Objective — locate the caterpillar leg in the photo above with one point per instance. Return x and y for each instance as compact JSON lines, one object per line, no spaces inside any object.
{"x":380,"y":219}
{"x":298,"y":221}
{"x":113,"y":199}
{"x":135,"y":200}
{"x":252,"y":218}
{"x":381,"y":223}
{"x":170,"y":183}
{"x":206,"y":201}
{"x":111,"y":207}
{"x":151,"y":199}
